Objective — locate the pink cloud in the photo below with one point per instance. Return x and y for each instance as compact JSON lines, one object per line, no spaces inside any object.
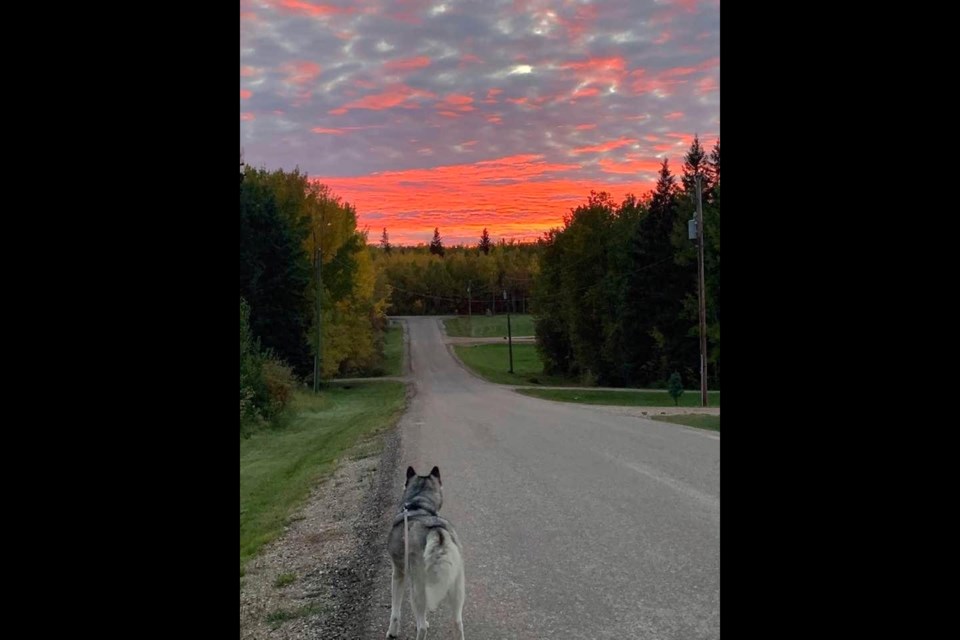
{"x":631,"y":167}
{"x":395,"y":96}
{"x":676,"y":115}
{"x":337,"y":112}
{"x":597,"y":64}
{"x":523,"y":102}
{"x":663,"y":39}
{"x":522,"y":195}
{"x":248,"y":71}
{"x":584,"y":127}
{"x":407,"y":64}
{"x":586,"y":91}
{"x":245,"y":94}
{"x":300,"y":72}
{"x":456,"y":102}
{"x":604,"y":146}
{"x":334,"y":132}
{"x":454,"y":98}
{"x":706,"y":85}
{"x":247,"y":116}
{"x":677,"y":71}
{"x":310,"y":9}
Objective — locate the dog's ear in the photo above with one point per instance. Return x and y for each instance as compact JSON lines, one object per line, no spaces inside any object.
{"x":410,"y":474}
{"x":435,"y":472}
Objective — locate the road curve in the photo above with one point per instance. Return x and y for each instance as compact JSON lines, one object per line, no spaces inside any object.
{"x":576,"y":522}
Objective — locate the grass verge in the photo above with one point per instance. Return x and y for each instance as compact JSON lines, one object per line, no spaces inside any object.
{"x":393,"y":350}
{"x":625,"y":398}
{"x":489,"y":326}
{"x":278,"y":467}
{"x":711,"y":423}
{"x":492,"y":362}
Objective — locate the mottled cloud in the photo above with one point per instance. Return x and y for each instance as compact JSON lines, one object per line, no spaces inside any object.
{"x":464,"y":115}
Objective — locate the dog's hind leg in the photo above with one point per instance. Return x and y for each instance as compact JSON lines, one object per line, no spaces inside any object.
{"x":396,"y":605}
{"x":457,"y":596}
{"x":418,"y":599}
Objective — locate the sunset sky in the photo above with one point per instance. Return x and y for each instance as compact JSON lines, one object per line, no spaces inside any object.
{"x":482,"y":113}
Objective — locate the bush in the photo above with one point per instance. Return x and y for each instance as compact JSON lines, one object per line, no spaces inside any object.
{"x":280,"y":382}
{"x":675,"y":387}
{"x":266,"y":382}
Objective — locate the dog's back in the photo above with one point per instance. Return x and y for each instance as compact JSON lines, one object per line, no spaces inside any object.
{"x":433,"y":563}
{"x":434,"y":559}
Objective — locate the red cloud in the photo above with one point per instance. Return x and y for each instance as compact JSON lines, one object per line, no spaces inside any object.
{"x":395,"y":96}
{"x":245,"y":94}
{"x":456,"y":102}
{"x":632,"y":167}
{"x":676,"y":115}
{"x":458,"y":99}
{"x":596,"y":64}
{"x":706,"y":85}
{"x":310,"y":9}
{"x":604,"y":146}
{"x":516,"y":196}
{"x":586,"y":91}
{"x":407,"y":64}
{"x":301,"y":72}
{"x":335,"y":132}
{"x":584,"y":127}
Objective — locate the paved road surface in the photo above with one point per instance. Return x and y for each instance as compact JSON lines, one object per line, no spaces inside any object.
{"x":576,"y":522}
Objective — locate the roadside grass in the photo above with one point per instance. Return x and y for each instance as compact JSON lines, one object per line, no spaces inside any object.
{"x":711,"y":423}
{"x":489,"y":326}
{"x":278,"y":467}
{"x":622,"y":398}
{"x":492,"y":362}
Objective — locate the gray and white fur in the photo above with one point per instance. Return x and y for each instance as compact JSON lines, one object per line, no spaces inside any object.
{"x":434,"y":563}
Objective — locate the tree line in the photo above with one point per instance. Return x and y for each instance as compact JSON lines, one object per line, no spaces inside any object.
{"x":616,"y":300}
{"x":287,"y":224}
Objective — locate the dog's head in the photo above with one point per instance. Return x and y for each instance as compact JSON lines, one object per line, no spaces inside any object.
{"x":424,"y":492}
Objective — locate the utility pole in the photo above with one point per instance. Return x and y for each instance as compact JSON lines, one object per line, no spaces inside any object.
{"x":703,"y":296}
{"x":469,"y":303}
{"x":509,"y":334}
{"x":317,"y":358}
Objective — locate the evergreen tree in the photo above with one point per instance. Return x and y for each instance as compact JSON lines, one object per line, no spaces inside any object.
{"x":485,"y":244}
{"x":436,"y":245}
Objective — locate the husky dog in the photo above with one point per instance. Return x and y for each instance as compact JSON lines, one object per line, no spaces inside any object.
{"x":425,"y":550}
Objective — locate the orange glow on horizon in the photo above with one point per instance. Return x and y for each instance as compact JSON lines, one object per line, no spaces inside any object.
{"x":516,"y":197}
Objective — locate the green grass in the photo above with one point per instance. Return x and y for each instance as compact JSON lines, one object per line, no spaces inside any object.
{"x":279,"y":466}
{"x":625,"y":398}
{"x":492,"y":362}
{"x":393,"y":351}
{"x":711,"y":423}
{"x":278,"y":617}
{"x":284,"y":579}
{"x":489,"y":326}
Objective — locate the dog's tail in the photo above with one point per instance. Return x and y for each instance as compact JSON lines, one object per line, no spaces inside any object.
{"x":442,"y":563}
